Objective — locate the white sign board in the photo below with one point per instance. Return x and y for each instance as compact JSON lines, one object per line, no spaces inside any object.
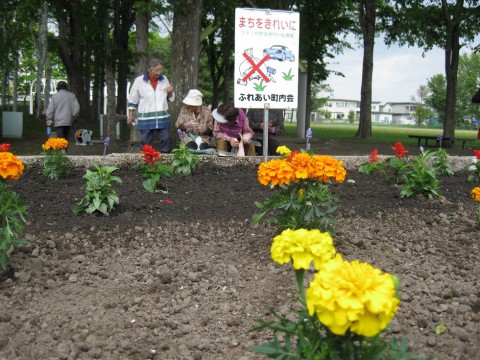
{"x":266,"y":58}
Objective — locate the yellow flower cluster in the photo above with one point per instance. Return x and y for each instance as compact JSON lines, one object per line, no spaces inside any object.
{"x":283,"y":151}
{"x":352,"y":296}
{"x":55,"y":144}
{"x":11,"y":167}
{"x":301,"y":166}
{"x":476,"y":193}
{"x":302,"y":247}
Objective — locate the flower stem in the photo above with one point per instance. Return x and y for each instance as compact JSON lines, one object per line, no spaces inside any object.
{"x":300,"y":281}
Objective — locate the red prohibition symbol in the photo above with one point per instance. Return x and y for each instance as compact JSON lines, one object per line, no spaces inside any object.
{"x":256,"y":67}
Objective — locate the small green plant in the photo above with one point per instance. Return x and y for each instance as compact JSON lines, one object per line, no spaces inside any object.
{"x":13,"y":209}
{"x":55,"y":164}
{"x":440,"y":163}
{"x":420,"y":178}
{"x":153,"y":170}
{"x":184,"y":162}
{"x":288,"y":76}
{"x":373,"y":166}
{"x":99,"y":193}
{"x":397,"y":165}
{"x":301,"y":195}
{"x":474,"y":168}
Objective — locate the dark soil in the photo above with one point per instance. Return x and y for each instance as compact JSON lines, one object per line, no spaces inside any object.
{"x":187,"y":280}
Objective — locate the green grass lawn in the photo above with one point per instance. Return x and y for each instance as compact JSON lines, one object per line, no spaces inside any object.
{"x":388,"y":134}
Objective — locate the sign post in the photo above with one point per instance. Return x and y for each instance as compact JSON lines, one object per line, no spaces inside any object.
{"x":266,"y":61}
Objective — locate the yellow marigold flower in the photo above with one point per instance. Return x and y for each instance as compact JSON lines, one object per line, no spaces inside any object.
{"x":283,"y":150}
{"x":55,"y":144}
{"x":476,"y":193}
{"x":11,"y":167}
{"x":275,"y":172}
{"x":352,"y":296}
{"x":303,"y":166}
{"x":302,"y":247}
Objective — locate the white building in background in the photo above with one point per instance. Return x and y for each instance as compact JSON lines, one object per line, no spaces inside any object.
{"x":400,"y":113}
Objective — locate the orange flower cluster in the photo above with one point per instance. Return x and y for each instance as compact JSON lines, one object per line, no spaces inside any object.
{"x":11,"y":167}
{"x":476,"y":193}
{"x":55,"y":144}
{"x":301,"y":166}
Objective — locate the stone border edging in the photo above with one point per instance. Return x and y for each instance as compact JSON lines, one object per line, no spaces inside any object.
{"x":457,"y":163}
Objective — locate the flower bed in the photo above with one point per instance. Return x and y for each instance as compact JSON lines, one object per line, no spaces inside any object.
{"x":187,"y":277}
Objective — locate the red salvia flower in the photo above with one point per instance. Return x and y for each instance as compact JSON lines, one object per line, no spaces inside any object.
{"x":151,"y":155}
{"x":477,"y":153}
{"x":4,"y":147}
{"x":374,"y":156}
{"x":399,"y":150}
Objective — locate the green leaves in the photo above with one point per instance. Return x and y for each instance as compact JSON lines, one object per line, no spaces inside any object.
{"x":152,"y":173}
{"x":184,"y":162}
{"x":309,"y":205}
{"x":13,"y":211}
{"x":55,"y":164}
{"x":99,"y":193}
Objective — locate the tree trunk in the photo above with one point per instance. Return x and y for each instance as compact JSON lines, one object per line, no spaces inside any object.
{"x":142,"y":19}
{"x":452,"y":55}
{"x":185,"y":52}
{"x":367,"y":20}
{"x":42,"y":52}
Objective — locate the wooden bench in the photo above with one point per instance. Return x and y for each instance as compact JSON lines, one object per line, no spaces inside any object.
{"x":439,"y":141}
{"x":463,"y":141}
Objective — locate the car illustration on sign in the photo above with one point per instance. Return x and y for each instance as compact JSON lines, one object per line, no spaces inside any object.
{"x":279,"y":52}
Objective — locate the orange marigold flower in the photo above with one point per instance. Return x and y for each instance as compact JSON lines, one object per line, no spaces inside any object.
{"x":374,"y":156}
{"x":399,"y":150}
{"x":476,"y":193}
{"x":327,"y":167}
{"x":303,"y":166}
{"x":275,"y":172}
{"x":11,"y":167}
{"x":4,"y":147}
{"x":55,"y":144}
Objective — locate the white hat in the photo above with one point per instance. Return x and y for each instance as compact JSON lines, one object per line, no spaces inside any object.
{"x":219,"y":117}
{"x":193,"y":98}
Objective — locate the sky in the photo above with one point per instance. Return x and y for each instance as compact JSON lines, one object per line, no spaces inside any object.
{"x":397,"y":72}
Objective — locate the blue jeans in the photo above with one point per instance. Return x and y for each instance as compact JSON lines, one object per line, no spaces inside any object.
{"x":146,"y":137}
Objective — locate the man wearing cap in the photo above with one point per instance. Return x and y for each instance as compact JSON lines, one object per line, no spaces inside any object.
{"x":149,"y":97}
{"x":195,"y":120}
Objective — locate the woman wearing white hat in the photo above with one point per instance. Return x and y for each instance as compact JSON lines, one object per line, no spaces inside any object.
{"x":195,"y":120}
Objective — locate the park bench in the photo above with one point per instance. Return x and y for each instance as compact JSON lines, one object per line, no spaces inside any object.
{"x":438,"y":141}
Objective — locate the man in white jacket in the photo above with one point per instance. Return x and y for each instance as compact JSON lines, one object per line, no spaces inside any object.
{"x":148,"y":97}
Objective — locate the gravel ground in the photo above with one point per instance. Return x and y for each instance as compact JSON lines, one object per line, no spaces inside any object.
{"x":186,"y":281}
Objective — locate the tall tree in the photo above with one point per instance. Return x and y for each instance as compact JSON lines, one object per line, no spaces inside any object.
{"x":323,"y":23}
{"x":437,"y":90}
{"x":367,"y":17}
{"x":185,"y":52}
{"x":449,"y":25}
